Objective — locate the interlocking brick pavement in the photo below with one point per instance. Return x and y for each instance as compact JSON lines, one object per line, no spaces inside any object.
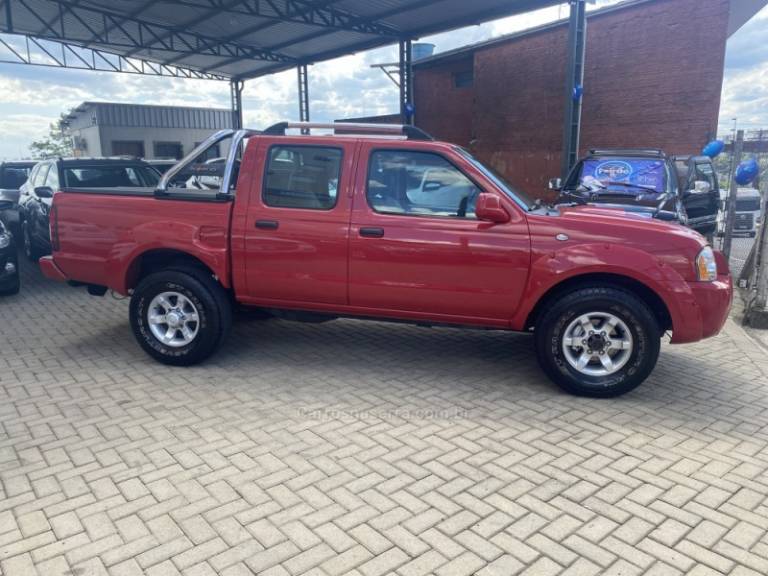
{"x":366,"y":449}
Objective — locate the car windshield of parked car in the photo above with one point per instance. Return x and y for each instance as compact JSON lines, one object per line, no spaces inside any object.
{"x":13,"y":177}
{"x":520,"y":197}
{"x":111,"y":177}
{"x":623,"y":175}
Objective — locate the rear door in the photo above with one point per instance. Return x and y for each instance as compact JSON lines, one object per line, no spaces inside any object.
{"x":296,"y":227}
{"x":416,"y":246}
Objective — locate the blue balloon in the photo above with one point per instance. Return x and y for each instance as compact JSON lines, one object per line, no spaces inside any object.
{"x":713,"y":149}
{"x":746,"y":172}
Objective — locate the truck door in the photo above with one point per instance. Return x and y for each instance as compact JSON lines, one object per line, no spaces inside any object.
{"x":416,"y":246}
{"x":297,"y":223}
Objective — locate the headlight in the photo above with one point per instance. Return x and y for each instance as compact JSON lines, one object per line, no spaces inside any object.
{"x":5,"y":240}
{"x":706,"y":266}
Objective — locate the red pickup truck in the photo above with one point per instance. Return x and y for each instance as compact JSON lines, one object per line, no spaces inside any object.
{"x":383,"y":222}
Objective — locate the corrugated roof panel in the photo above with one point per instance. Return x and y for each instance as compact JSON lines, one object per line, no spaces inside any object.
{"x":231,"y":40}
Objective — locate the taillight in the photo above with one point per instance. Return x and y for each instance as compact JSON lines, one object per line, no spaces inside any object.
{"x":54,"y":223}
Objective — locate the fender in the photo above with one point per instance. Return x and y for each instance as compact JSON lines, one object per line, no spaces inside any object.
{"x":548,"y":269}
{"x":205,"y":243}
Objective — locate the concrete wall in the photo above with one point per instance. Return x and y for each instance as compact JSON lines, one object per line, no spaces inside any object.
{"x":187,"y":137}
{"x":653,"y":78}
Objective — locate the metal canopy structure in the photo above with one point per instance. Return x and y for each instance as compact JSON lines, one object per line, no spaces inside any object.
{"x":237,"y":40}
{"x":242,"y":39}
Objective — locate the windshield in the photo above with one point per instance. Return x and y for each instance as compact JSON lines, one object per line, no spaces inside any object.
{"x":623,"y":175}
{"x":518,"y":196}
{"x":111,"y":177}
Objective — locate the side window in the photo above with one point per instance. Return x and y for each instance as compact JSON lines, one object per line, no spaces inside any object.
{"x":41,"y":176}
{"x":419,"y":184}
{"x":52,"y":180}
{"x":302,"y":177}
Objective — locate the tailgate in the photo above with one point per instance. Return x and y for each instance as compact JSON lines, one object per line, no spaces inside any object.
{"x":102,"y":233}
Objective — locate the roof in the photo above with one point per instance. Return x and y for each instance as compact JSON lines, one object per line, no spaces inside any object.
{"x":242,"y":39}
{"x":90,"y":114}
{"x":99,"y":161}
{"x":741,"y":12}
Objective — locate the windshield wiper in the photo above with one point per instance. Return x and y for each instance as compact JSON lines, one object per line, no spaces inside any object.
{"x":574,"y":196}
{"x":628,"y":185}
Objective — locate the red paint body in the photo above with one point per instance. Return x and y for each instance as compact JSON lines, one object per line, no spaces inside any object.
{"x":429,"y":269}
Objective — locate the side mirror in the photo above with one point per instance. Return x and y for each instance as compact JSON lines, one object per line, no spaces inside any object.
{"x":555,"y":184}
{"x":489,"y":208}
{"x":44,"y":192}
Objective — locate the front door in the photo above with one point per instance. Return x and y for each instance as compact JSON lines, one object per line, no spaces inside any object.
{"x":297,"y":222}
{"x":417,"y":248}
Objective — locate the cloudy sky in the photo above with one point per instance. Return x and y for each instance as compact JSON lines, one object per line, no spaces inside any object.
{"x":32,"y":97}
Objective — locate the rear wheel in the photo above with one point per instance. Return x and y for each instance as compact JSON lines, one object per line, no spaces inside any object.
{"x":180,"y":316}
{"x":13,"y":285}
{"x":598,"y":341}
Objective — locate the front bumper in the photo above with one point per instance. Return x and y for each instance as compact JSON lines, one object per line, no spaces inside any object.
{"x":705,"y":310}
{"x":50,"y":270}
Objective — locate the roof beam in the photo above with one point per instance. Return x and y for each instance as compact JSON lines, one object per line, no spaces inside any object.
{"x":319,"y":14}
{"x":54,"y":54}
{"x":138,"y":35}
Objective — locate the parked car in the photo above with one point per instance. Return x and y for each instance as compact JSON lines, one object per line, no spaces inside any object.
{"x":12,"y":178}
{"x":49,"y":176}
{"x":748,"y":213}
{"x":645,"y":182}
{"x":390,"y":225}
{"x":9,"y":265}
{"x":162,"y":165}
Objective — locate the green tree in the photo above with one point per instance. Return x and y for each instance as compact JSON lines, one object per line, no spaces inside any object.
{"x":56,"y":144}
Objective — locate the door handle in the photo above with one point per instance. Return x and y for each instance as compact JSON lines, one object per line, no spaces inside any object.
{"x":267,"y":224}
{"x":372,"y":232}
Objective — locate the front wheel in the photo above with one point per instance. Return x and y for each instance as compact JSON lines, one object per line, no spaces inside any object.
{"x":598,"y":341}
{"x":180,"y":316}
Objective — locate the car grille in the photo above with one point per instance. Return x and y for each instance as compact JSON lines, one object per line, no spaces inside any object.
{"x":744,"y":222}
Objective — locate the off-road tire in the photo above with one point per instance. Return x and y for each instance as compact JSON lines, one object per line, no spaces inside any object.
{"x":643,"y":325}
{"x":32,"y":252}
{"x":213,"y":306}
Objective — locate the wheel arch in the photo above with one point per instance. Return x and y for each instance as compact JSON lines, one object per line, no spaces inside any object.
{"x":639,"y":289}
{"x":161,"y":259}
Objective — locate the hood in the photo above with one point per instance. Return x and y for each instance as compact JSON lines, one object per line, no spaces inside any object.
{"x":672,"y":243}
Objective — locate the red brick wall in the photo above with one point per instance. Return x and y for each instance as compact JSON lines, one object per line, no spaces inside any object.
{"x":653,"y":78}
{"x":442,"y":109}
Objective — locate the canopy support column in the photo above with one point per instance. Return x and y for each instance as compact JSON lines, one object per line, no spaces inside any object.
{"x":406,"y":82}
{"x":303,"y":95}
{"x":236,"y":91}
{"x":577,"y":32}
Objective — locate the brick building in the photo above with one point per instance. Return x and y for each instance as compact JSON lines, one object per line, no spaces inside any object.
{"x":653,"y":78}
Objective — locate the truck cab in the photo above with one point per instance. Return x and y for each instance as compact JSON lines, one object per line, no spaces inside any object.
{"x":313,"y":221}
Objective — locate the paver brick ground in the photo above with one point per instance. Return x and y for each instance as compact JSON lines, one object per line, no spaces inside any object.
{"x":366,"y":449}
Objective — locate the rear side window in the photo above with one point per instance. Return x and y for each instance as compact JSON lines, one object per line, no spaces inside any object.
{"x":13,"y":177}
{"x":110,"y":177}
{"x":302,"y":177}
{"x":419,"y":184}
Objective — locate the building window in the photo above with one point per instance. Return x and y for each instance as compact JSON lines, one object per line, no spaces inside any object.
{"x":134,"y":148}
{"x":302,"y":177}
{"x":463,"y":79}
{"x":168,"y":150}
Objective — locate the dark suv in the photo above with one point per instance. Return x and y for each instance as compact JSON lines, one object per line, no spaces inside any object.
{"x":9,"y":266}
{"x":49,"y":176}
{"x":647,"y":182}
{"x":12,"y":177}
